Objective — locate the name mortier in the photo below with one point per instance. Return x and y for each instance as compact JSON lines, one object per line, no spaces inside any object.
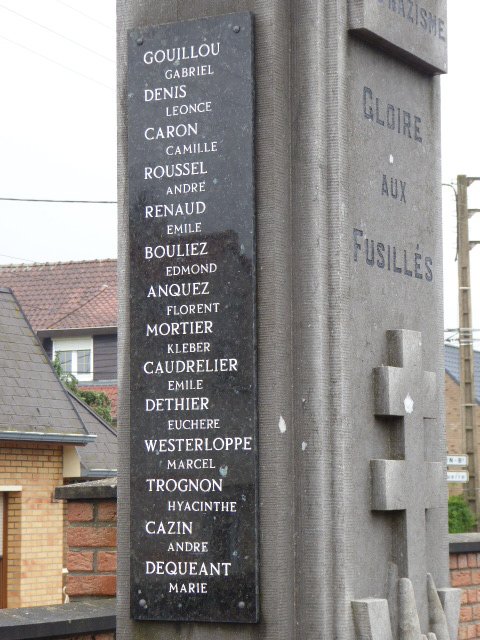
{"x":185,"y":328}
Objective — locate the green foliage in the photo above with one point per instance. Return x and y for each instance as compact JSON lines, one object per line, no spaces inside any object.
{"x":98,"y":401}
{"x":68,"y":379}
{"x":461,"y":519}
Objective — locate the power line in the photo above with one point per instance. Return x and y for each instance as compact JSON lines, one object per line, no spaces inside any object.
{"x":41,"y":55}
{"x":4,"y":255}
{"x":62,"y":201}
{"x":86,"y":15}
{"x":82,"y":304}
{"x":60,"y":35}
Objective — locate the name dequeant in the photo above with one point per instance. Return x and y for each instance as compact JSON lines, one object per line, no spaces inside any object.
{"x":193,"y":568}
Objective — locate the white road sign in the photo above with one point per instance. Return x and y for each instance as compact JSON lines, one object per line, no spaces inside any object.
{"x":457,"y":461}
{"x":457,"y":476}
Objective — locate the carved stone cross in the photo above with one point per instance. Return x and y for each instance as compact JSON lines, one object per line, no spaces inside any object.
{"x":412,"y":484}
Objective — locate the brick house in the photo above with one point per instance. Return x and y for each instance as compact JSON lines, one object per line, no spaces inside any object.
{"x":72,"y":307}
{"x":455,"y":437}
{"x":47,"y":437}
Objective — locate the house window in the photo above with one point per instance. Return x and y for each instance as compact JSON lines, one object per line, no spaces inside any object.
{"x":65,"y":359}
{"x":75,"y":356}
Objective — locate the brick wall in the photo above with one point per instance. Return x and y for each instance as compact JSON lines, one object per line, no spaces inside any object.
{"x":91,"y":548}
{"x":465,"y":574}
{"x":35,"y":523}
{"x":92,"y":521}
{"x":455,"y":438}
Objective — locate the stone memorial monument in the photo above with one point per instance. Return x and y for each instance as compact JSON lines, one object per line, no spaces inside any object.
{"x":282,"y":467}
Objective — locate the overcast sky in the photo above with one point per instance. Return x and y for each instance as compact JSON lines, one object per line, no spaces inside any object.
{"x":58,"y":132}
{"x":57,"y":129}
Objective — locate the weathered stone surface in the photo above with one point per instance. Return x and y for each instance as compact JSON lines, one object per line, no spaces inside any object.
{"x":437,"y":619}
{"x":89,"y":616}
{"x":413,"y":31}
{"x":396,"y":384}
{"x":413,"y":484}
{"x":395,"y":252}
{"x":372,"y":620}
{"x":451,"y":600}
{"x":347,"y":152}
{"x":409,"y":624}
{"x":392,"y":596}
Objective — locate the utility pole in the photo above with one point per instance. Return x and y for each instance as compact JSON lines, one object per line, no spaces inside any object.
{"x":467,"y":380}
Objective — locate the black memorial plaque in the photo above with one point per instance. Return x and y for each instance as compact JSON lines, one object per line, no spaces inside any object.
{"x":192,"y":321}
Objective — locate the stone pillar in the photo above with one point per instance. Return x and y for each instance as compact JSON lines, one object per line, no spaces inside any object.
{"x":347,"y":163}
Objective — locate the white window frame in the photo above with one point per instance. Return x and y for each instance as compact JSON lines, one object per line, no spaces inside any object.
{"x":80,"y":343}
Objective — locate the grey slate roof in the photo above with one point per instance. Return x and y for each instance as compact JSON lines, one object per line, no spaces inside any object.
{"x":98,"y":459}
{"x":33,"y":403}
{"x":452,"y":367}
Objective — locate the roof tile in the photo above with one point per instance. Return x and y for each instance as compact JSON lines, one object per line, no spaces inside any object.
{"x":65,"y":295}
{"x":31,"y":412}
{"x":452,"y":366}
